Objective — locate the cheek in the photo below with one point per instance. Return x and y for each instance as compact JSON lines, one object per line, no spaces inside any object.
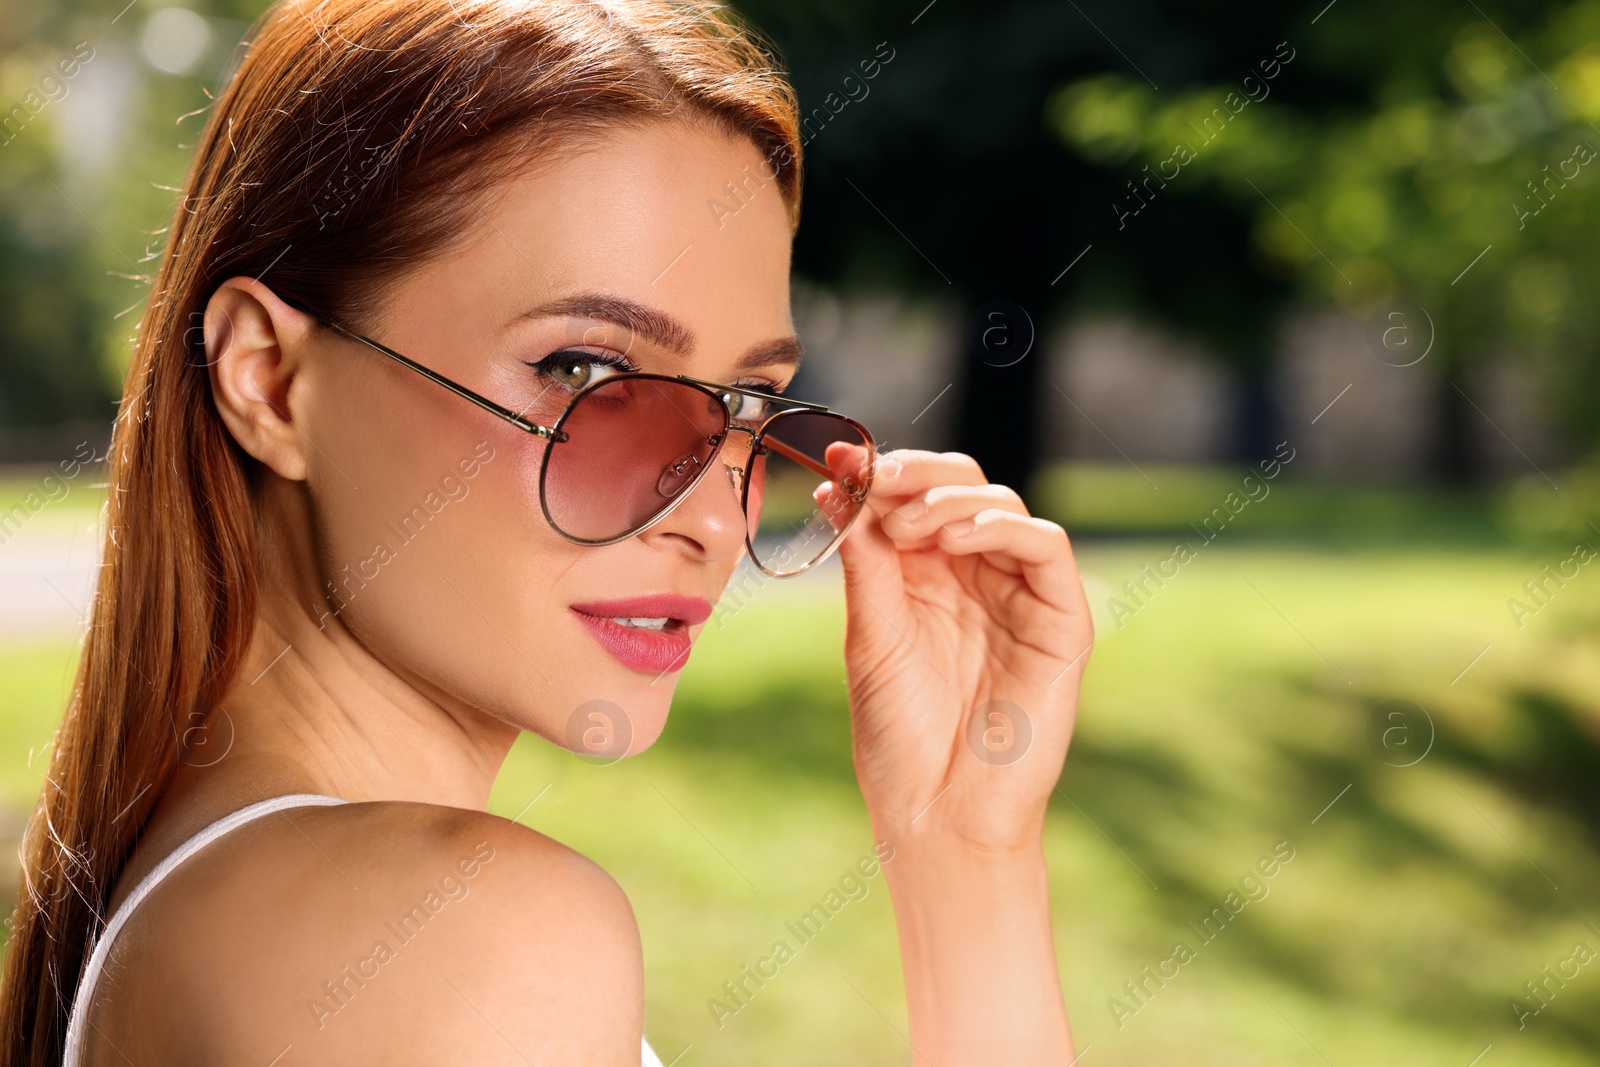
{"x":455,"y":591}
{"x":383,"y":444}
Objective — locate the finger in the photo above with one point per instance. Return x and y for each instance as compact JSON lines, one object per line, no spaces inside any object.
{"x":832,"y":503}
{"x":908,"y":471}
{"x":848,"y":463}
{"x":874,"y":583}
{"x":1039,"y":546}
{"x":871,"y":560}
{"x":852,"y":467}
{"x":925,"y":513}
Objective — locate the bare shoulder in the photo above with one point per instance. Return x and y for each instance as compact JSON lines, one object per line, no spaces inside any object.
{"x":390,"y":933}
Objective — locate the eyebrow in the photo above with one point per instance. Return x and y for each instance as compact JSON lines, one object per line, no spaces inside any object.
{"x":660,"y":328}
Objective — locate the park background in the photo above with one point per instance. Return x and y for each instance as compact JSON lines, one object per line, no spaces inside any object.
{"x":1133,"y":255}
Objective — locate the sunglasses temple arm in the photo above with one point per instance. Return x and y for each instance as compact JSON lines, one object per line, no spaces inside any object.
{"x":513,"y":417}
{"x":799,"y":457}
{"x":462,"y":391}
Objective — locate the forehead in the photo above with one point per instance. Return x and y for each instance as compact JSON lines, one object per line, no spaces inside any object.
{"x":669,"y":214}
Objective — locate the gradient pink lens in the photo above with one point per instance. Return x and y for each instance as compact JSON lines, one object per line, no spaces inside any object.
{"x":806,"y":488}
{"x":634,"y":445}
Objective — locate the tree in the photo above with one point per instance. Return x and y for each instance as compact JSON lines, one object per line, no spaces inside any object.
{"x":1419,"y":154}
{"x":949,"y":179}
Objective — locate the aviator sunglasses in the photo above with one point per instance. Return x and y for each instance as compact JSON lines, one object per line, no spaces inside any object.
{"x":627,"y":449}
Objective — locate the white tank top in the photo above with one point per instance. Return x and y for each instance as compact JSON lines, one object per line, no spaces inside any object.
{"x":100,"y":947}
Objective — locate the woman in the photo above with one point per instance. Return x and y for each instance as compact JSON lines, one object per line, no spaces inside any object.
{"x":362,"y":533}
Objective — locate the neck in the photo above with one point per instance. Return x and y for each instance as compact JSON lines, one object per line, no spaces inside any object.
{"x":315,"y":710}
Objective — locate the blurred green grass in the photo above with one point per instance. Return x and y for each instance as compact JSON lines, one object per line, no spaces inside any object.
{"x":16,"y":482}
{"x":1118,"y":499}
{"x":1227,"y":715}
{"x":37,"y":674}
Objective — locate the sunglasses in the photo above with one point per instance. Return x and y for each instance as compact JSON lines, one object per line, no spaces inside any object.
{"x":627,"y":449}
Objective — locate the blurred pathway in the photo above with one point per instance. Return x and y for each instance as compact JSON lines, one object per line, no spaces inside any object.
{"x":47,"y":572}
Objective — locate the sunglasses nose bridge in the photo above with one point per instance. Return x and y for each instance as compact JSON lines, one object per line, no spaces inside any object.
{"x":736,"y":456}
{"x":736,"y":453}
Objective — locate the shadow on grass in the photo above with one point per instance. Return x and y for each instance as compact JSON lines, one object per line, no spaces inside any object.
{"x":1139,"y":796}
{"x":1553,"y":767}
{"x":784,"y":726}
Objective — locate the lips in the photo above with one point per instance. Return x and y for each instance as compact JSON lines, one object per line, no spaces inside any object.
{"x":641,"y":647}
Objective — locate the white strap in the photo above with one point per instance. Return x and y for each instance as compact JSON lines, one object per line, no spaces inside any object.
{"x":101,"y":945}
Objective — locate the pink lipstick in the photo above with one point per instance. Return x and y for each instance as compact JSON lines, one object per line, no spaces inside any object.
{"x":648,"y":634}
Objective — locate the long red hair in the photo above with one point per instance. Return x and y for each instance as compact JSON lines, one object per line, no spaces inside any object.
{"x":347,"y":145}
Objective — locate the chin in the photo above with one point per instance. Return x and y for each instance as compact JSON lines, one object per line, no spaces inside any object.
{"x":621,"y":724}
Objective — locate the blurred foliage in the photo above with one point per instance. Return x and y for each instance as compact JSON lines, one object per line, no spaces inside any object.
{"x":88,"y":170}
{"x":1471,"y":133}
{"x":983,"y":158}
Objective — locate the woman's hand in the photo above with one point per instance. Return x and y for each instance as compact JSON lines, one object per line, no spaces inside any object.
{"x":967,"y":631}
{"x":967,"y":634}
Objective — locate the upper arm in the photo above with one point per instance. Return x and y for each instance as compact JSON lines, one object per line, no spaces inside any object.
{"x":542,"y":963}
{"x":405,"y":934}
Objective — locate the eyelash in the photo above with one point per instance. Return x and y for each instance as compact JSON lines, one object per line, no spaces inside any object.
{"x":544,"y":366}
{"x":625,"y":365}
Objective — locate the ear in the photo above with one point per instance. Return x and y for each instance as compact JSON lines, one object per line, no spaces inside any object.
{"x":256,"y":347}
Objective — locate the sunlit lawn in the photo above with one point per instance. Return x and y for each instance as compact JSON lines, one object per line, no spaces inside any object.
{"x":1222,"y":718}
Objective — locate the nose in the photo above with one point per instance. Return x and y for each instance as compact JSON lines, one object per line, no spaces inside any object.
{"x":710,"y":522}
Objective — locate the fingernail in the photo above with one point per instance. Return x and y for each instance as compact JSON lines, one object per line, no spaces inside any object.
{"x":962,"y":528}
{"x":914,"y":510}
{"x":888,"y":466}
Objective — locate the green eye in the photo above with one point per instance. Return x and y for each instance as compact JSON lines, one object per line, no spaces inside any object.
{"x":747,"y":409}
{"x":578,"y":370}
